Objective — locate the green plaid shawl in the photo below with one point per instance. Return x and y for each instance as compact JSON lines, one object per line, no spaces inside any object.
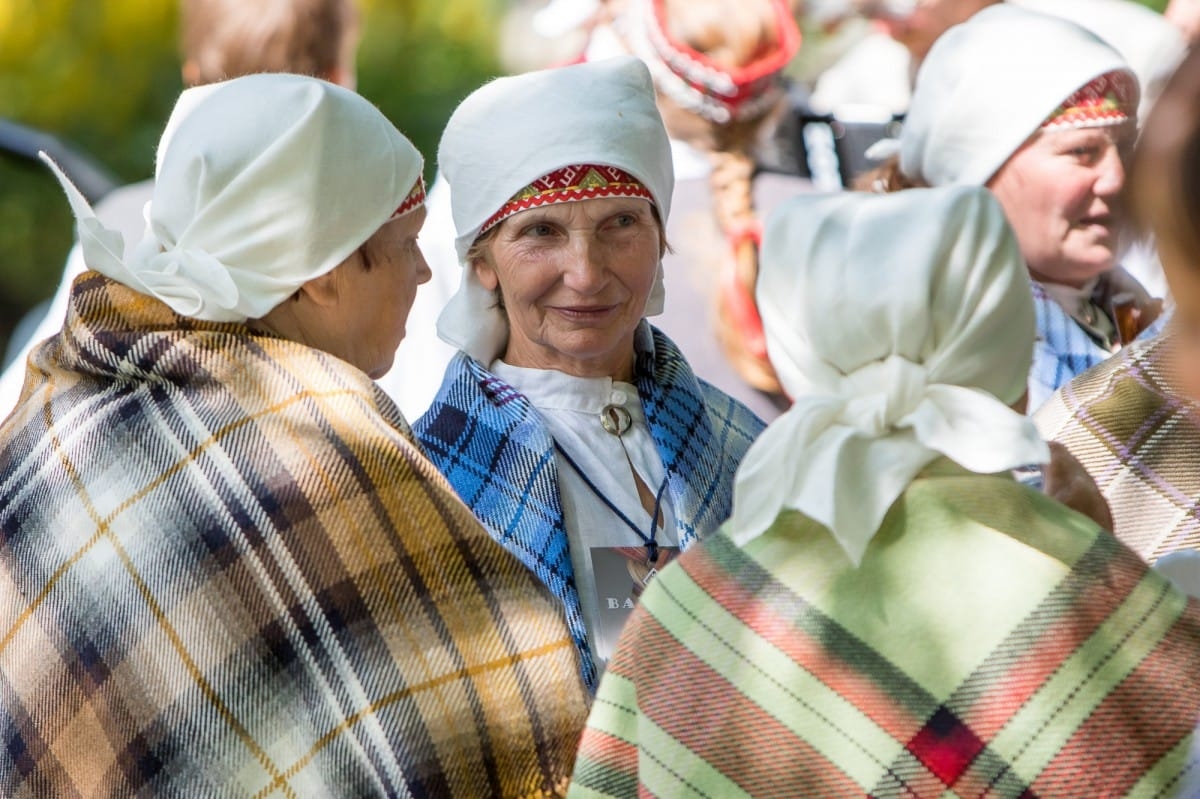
{"x":992,"y":643}
{"x":1139,"y":437}
{"x":227,"y":570}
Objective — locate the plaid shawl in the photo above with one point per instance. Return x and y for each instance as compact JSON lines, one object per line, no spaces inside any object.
{"x":958,"y":660}
{"x":1139,"y":438}
{"x":227,"y":570}
{"x":1063,"y":348}
{"x":493,"y":447}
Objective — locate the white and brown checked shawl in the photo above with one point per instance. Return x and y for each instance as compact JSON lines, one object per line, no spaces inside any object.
{"x":227,"y":570}
{"x":1139,"y":439}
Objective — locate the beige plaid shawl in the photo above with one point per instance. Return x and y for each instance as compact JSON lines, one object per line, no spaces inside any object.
{"x":227,"y":570}
{"x":1131,"y":428}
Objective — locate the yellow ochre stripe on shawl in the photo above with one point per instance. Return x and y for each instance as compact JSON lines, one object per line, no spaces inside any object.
{"x":786,"y":691}
{"x":104,"y":530}
{"x":498,"y":664}
{"x":133,"y":499}
{"x":442,"y":707}
{"x":1039,"y":730}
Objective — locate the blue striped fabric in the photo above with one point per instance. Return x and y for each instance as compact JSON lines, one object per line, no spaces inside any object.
{"x":493,"y":448}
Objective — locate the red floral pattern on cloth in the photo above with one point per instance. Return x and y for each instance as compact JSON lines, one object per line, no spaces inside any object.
{"x":569,"y":184}
{"x":1106,"y":100}
{"x":415,"y":198}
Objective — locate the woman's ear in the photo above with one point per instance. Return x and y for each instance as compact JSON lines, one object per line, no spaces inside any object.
{"x":324,"y":290}
{"x":486,"y":273}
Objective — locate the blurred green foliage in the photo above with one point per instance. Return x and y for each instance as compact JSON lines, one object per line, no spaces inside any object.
{"x":103,"y":75}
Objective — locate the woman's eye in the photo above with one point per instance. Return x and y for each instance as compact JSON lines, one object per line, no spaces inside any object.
{"x":538,"y":230}
{"x":1087,"y":153}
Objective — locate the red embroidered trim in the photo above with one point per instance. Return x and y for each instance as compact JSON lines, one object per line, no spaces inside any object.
{"x":569,"y":184}
{"x":1106,"y":100}
{"x":415,"y":198}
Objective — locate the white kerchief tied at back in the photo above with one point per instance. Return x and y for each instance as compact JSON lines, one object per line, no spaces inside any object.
{"x":254,"y":195}
{"x":988,"y":84}
{"x":516,"y":130}
{"x":928,"y":344}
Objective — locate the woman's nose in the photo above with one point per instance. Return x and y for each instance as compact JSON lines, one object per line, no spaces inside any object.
{"x":583,"y":270}
{"x":1111,"y":173}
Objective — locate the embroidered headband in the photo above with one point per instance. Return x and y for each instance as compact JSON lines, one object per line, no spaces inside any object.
{"x":695,"y":81}
{"x":414,"y":200}
{"x":569,"y":184}
{"x":1109,"y":99}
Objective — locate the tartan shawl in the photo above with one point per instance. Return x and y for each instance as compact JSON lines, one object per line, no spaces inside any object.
{"x":495,"y":450}
{"x":1138,"y":436}
{"x":228,"y":570}
{"x":1063,"y":348}
{"x":959,"y":660}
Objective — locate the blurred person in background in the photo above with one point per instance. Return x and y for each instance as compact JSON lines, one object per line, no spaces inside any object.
{"x":887,"y":612}
{"x":1053,"y":152}
{"x":718,"y":68}
{"x":228,"y":567}
{"x":219,"y":39}
{"x":718,"y":72}
{"x":1134,"y":421}
{"x":577,"y":432}
{"x":882,"y":69}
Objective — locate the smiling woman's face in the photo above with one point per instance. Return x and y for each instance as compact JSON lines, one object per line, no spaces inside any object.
{"x":574,"y":278}
{"x":1060,"y":193}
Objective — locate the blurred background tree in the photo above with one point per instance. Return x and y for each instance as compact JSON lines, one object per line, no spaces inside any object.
{"x":103,"y":75}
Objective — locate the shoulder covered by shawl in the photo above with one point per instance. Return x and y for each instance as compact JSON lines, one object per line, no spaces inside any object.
{"x":229,"y":569}
{"x":807,"y":663}
{"x":1131,"y":424}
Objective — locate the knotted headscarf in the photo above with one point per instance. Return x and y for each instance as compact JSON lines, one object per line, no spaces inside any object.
{"x":988,"y":84}
{"x":903,"y":327}
{"x":517,"y":130}
{"x":261,"y":184}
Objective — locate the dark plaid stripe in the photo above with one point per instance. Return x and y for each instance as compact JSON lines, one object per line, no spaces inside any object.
{"x":493,"y":448}
{"x":225,"y":563}
{"x":1112,"y":637}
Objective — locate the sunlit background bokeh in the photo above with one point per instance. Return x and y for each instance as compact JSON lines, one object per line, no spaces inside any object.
{"x":102,"y":75}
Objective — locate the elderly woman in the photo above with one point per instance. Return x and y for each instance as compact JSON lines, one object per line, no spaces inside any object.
{"x":1043,"y":113}
{"x":228,"y":570}
{"x":576,"y":432}
{"x":1134,"y":421}
{"x":887,"y":612}
{"x":718,"y":73}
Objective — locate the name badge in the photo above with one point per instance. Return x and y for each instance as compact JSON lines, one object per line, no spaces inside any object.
{"x":621,"y":573}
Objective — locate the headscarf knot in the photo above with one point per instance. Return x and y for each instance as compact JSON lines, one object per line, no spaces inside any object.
{"x":881,"y":394}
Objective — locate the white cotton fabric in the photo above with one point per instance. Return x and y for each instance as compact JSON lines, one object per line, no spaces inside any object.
{"x":514,"y":130}
{"x":262,"y":183}
{"x":988,"y":84}
{"x":570,"y":406}
{"x":902,"y":325}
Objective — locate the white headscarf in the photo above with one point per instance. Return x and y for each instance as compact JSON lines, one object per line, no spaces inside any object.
{"x":262,"y":183}
{"x":988,"y":84}
{"x":514,"y":130}
{"x":903,"y":327}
